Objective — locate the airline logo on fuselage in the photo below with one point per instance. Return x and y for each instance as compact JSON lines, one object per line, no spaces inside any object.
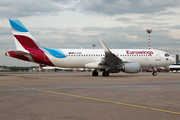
{"x":75,"y":53}
{"x":140,"y":52}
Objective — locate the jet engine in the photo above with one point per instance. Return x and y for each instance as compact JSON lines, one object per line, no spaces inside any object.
{"x":129,"y":67}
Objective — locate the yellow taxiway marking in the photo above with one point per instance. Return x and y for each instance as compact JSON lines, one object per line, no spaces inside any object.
{"x":96,"y":99}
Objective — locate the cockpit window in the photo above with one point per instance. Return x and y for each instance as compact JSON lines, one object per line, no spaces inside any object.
{"x":166,"y":55}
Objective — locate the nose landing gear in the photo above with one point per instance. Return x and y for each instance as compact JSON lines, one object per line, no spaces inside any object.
{"x":154,"y":72}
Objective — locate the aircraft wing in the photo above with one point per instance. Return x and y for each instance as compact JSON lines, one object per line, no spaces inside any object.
{"x":110,"y":58}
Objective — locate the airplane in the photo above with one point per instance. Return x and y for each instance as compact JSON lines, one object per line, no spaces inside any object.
{"x":105,"y":60}
{"x":44,"y":67}
{"x":66,"y":69}
{"x":174,"y":67}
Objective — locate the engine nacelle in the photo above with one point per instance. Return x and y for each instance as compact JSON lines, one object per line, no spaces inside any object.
{"x":130,"y":67}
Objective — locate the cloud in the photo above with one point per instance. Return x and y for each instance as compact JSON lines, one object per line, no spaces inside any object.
{"x":174,"y":34}
{"x":174,"y":27}
{"x":6,"y":39}
{"x":122,"y":37}
{"x":120,"y":23}
{"x":5,"y":31}
{"x":125,"y":19}
{"x":115,"y":37}
{"x":23,"y":8}
{"x":115,"y":7}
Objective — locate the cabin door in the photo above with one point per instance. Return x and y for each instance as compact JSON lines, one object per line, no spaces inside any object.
{"x":158,"y":57}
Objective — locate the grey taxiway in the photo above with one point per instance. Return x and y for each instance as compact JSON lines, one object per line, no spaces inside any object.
{"x":80,"y":96}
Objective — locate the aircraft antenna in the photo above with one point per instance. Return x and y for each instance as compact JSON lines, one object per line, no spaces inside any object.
{"x":149,"y":31}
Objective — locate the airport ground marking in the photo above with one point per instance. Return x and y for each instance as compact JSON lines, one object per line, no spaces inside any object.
{"x":96,"y":99}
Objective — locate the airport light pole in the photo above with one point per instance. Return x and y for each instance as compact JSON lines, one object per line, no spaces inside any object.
{"x":149,"y":31}
{"x":94,"y":45}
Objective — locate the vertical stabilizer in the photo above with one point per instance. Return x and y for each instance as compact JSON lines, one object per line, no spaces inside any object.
{"x":23,"y":39}
{"x":28,"y":48}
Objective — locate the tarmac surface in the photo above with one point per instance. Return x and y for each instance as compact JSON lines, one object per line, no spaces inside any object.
{"x":80,"y":96}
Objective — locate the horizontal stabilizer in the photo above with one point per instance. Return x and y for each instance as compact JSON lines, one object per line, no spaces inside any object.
{"x":20,"y":52}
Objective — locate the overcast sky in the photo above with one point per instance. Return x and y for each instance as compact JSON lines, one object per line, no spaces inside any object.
{"x":81,"y":23}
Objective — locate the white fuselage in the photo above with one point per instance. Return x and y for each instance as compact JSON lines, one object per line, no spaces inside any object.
{"x":78,"y":58}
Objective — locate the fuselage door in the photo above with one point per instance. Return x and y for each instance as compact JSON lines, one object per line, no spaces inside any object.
{"x":158,"y":56}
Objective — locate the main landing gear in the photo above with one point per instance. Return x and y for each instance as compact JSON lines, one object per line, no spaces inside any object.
{"x":95,"y":73}
{"x":154,"y":72}
{"x":105,"y":73}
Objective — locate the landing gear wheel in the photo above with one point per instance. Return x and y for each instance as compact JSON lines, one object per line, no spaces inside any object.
{"x":154,"y":73}
{"x":105,"y":73}
{"x":95,"y":73}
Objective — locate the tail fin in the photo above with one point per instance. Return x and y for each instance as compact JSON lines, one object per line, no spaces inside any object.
{"x":23,"y":39}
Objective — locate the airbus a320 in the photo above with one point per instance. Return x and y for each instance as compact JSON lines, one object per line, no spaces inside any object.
{"x":105,"y":60}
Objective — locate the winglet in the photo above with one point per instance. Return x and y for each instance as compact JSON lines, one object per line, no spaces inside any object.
{"x":110,"y":58}
{"x":106,"y":49}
